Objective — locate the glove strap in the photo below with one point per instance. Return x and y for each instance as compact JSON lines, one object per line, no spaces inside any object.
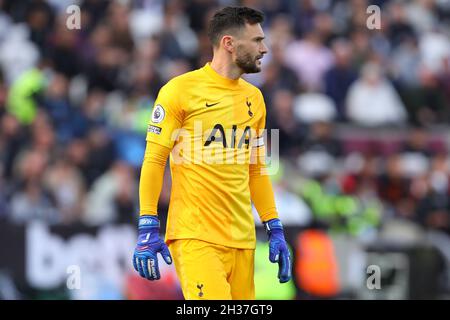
{"x":273,"y":224}
{"x":148,"y":222}
{"x":148,"y":230}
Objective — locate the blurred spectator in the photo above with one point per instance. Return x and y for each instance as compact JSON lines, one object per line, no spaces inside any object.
{"x":24,"y":94}
{"x":43,"y":136}
{"x":361,"y":179}
{"x":101,"y":154}
{"x":5,"y":22}
{"x":32,"y":201}
{"x":279,"y":34}
{"x":372,"y":100}
{"x":276,"y":74}
{"x":316,"y":164}
{"x":178,"y":41}
{"x":90,"y":114}
{"x":104,"y":73}
{"x":434,"y":206}
{"x":145,"y":80}
{"x":314,"y":107}
{"x":291,"y":133}
{"x":196,"y":11}
{"x":362,"y":51}
{"x":293,"y":209}
{"x":444,"y":79}
{"x":340,"y":76}
{"x":321,"y":138}
{"x":62,"y":49}
{"x":273,"y":81}
{"x":66,"y":185}
{"x":393,"y":187}
{"x":434,"y":49}
{"x":39,"y":17}
{"x":12,"y":140}
{"x":92,"y":157}
{"x":399,"y":29}
{"x":405,"y":64}
{"x":310,"y":59}
{"x":304,"y":16}
{"x":57,"y":105}
{"x":418,"y":141}
{"x":100,"y":37}
{"x":325,"y":26}
{"x":17,"y":53}
{"x":118,"y":15}
{"x":427,"y":102}
{"x":379,"y":42}
{"x":93,"y":11}
{"x":422,"y":15}
{"x":357,"y":16}
{"x":112,"y":197}
{"x":3,"y":94}
{"x":77,"y":154}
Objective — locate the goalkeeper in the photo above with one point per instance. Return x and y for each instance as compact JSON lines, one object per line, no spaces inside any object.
{"x":211,"y":121}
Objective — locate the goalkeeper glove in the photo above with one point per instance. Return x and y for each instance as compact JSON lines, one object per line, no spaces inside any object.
{"x":145,"y":259}
{"x":278,"y":249}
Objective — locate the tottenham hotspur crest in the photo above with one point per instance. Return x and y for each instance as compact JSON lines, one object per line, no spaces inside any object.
{"x":249,"y":104}
{"x":200,"y":287}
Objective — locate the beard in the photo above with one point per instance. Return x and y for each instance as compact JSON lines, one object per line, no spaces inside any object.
{"x":247,"y":63}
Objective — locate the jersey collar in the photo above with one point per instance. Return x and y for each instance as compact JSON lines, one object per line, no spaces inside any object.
{"x":219,"y":78}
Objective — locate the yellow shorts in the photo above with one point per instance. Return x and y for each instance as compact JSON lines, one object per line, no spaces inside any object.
{"x":213,"y":272}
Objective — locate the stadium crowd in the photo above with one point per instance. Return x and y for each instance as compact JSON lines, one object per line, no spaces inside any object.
{"x":364,"y":113}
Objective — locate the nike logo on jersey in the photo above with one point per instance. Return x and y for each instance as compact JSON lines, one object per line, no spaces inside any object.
{"x":212,"y":104}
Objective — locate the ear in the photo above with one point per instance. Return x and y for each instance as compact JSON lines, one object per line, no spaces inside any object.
{"x":228,"y":43}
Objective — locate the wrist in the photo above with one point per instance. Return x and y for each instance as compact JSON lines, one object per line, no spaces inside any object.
{"x":273,"y":226}
{"x":148,"y":229}
{"x":148,"y":222}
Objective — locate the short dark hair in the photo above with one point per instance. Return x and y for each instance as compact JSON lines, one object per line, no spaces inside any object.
{"x":231,"y":18}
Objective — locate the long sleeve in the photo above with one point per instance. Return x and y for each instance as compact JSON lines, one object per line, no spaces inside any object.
{"x":261,"y":190}
{"x":167,"y":118}
{"x":152,"y":177}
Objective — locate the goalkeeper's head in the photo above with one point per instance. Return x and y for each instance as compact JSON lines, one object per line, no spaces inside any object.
{"x":237,"y":36}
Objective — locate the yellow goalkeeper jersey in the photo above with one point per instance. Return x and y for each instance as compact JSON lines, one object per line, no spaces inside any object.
{"x":211,"y":123}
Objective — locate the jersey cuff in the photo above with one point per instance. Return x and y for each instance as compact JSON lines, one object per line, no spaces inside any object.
{"x":272,"y":214}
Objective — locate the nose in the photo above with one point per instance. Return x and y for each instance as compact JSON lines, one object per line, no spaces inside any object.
{"x":263,"y":48}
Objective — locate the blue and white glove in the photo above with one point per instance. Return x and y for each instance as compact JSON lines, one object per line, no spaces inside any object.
{"x":278,"y":249}
{"x":145,"y":259}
